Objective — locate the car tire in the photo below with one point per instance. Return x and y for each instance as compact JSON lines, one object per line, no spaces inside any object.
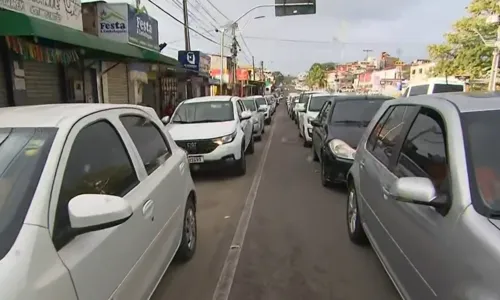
{"x":355,"y":229}
{"x":324,"y":180}
{"x":187,"y":247}
{"x":251,"y":147}
{"x":241,"y":164}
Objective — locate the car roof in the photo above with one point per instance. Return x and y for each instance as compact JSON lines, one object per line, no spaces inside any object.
{"x":210,"y":99}
{"x":338,"y":98}
{"x":321,"y":95}
{"x":252,"y":97}
{"x":464,"y":102}
{"x":52,"y":115}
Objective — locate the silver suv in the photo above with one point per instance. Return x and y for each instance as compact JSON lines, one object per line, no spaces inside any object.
{"x":424,"y":190}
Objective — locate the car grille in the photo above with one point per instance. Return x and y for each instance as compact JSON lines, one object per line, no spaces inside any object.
{"x":198,"y":146}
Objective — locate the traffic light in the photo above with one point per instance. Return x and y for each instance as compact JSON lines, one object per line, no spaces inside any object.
{"x":294,"y":7}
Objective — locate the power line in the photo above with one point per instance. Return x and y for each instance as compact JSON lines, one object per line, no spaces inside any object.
{"x":330,"y":42}
{"x":196,"y":20}
{"x":182,"y":23}
{"x":218,"y":10}
{"x":200,"y":5}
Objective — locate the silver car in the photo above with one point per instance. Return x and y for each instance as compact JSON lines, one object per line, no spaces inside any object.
{"x":258,"y":117}
{"x":424,"y":190}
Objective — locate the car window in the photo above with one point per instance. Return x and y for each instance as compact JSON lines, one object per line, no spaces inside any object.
{"x":372,"y":139}
{"x":148,"y":140}
{"x":316,"y":103}
{"x":390,"y":132}
{"x":98,"y":163}
{"x":356,"y":111}
{"x":325,"y":112}
{"x":261,"y":101}
{"x":482,"y":147}
{"x":23,"y":154}
{"x":238,"y":108}
{"x":419,"y":90}
{"x":204,"y":112}
{"x":241,"y":105}
{"x":447,"y":88}
{"x":250,"y":104}
{"x":423,"y":153}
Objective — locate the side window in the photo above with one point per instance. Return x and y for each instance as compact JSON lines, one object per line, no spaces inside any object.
{"x":390,"y":133}
{"x":424,"y":150}
{"x":241,"y":105}
{"x":148,"y":140}
{"x":323,"y":113}
{"x":238,"y":108}
{"x":98,"y":163}
{"x":419,"y":90}
{"x":372,"y":139}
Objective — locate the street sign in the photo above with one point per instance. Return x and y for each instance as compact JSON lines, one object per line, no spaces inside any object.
{"x":294,"y":7}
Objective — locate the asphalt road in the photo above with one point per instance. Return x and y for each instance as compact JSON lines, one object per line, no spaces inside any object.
{"x":296,"y":244}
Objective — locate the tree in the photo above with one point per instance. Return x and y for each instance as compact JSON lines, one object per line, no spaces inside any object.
{"x":316,"y":78}
{"x":329,"y":66}
{"x":278,"y":77}
{"x":463,"y":52}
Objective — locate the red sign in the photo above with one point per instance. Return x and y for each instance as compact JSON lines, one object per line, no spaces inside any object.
{"x":242,"y":74}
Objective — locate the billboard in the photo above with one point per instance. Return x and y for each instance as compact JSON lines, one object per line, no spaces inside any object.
{"x":294,"y":7}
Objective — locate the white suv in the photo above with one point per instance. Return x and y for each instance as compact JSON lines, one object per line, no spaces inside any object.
{"x":214,"y":130}
{"x":309,"y":113}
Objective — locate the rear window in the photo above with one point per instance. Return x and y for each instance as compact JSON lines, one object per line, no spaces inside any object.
{"x":482,"y":146}
{"x":261,"y":101}
{"x":23,"y":153}
{"x":360,"y":111}
{"x":316,"y":103}
{"x":447,"y":88}
{"x":419,"y":90}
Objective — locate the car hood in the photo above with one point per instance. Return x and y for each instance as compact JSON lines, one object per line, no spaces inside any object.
{"x":350,"y":134}
{"x":200,"y":131}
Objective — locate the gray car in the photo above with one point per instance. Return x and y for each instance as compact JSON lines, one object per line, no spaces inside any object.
{"x":424,"y":191}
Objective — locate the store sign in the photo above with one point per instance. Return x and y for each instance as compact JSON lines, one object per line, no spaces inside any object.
{"x":195,"y":61}
{"x":62,"y":12}
{"x":121,"y":22}
{"x":142,"y":30}
{"x":242,"y":74}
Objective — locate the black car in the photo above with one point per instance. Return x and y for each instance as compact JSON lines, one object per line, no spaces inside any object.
{"x":337,"y":131}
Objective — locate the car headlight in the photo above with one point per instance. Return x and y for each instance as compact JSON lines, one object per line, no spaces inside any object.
{"x":225,"y":139}
{"x":340,"y":149}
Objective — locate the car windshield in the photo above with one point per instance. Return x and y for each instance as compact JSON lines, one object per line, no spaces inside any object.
{"x":355,"y":111}
{"x":204,"y":112}
{"x":446,"y":88}
{"x":250,"y":104}
{"x":316,"y":103}
{"x":23,"y":153}
{"x":304,"y":97}
{"x":261,"y":101}
{"x":482,"y":148}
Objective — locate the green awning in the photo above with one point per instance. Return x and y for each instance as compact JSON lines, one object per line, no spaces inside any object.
{"x":16,"y":24}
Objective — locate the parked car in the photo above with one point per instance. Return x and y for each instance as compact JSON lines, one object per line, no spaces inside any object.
{"x":271,"y":102}
{"x":216,"y":131}
{"x":301,"y":104}
{"x":434,"y":85}
{"x":95,"y":201}
{"x":264,"y":106}
{"x":337,"y":131}
{"x":258,"y":118}
{"x":291,"y":111}
{"x":424,"y":191}
{"x":310,"y":112}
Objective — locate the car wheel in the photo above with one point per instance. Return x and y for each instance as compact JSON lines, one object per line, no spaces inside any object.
{"x":187,"y":247}
{"x":251,"y":147}
{"x":324,"y":178}
{"x":241,"y":164}
{"x":354,"y":228}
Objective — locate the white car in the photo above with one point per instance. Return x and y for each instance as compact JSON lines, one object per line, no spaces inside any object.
{"x":95,"y":201}
{"x":309,"y":113}
{"x":258,"y":118}
{"x":272,"y":103}
{"x":215,"y":131}
{"x":264,"y":106}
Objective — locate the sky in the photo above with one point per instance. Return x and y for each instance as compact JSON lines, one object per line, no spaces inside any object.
{"x":338,"y":32}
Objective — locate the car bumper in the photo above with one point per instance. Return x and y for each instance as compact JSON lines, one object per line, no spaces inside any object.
{"x":336,"y":168}
{"x":221,"y":152}
{"x":213,"y":165}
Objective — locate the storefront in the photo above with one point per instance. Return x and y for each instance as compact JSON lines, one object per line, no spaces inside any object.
{"x":115,"y":82}
{"x":197,"y":65}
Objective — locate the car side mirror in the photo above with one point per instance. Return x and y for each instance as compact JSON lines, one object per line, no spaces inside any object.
{"x":416,"y":190}
{"x":93,"y":212}
{"x":245,"y":115}
{"x":315,"y":123}
{"x":165,"y":120}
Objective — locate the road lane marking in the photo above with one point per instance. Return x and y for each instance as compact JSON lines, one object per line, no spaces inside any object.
{"x":223,"y":288}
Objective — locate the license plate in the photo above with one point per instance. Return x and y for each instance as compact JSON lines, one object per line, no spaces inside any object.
{"x":195,"y":159}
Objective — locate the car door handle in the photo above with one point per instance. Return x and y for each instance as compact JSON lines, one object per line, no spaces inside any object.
{"x":148,"y":209}
{"x":362,"y":164}
{"x":387,"y":193}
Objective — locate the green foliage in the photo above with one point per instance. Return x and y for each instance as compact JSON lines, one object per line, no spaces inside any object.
{"x":463,"y":52}
{"x":329,"y":66}
{"x":278,"y":77}
{"x":316,"y":78}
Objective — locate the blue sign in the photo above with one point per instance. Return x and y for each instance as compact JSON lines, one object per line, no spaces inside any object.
{"x":142,"y":30}
{"x":195,"y":61}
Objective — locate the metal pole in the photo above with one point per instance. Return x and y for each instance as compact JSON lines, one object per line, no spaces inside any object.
{"x":221,"y":60}
{"x":494,"y":63}
{"x":186,"y":25}
{"x":253,"y":68}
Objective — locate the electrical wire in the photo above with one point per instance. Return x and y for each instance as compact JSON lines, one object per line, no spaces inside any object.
{"x":218,"y":10}
{"x":182,"y":23}
{"x":194,"y":18}
{"x":206,"y":12}
{"x":329,"y":42}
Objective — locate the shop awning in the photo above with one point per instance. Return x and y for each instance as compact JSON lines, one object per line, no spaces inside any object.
{"x":16,"y":24}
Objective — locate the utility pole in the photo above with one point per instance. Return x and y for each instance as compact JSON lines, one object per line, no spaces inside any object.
{"x":234,"y":52}
{"x":253,"y":68}
{"x":494,"y":63}
{"x":186,"y":25}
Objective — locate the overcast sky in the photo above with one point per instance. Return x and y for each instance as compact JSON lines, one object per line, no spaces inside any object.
{"x":292,"y":44}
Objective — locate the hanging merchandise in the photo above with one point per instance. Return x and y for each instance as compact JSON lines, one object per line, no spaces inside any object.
{"x":31,"y":51}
